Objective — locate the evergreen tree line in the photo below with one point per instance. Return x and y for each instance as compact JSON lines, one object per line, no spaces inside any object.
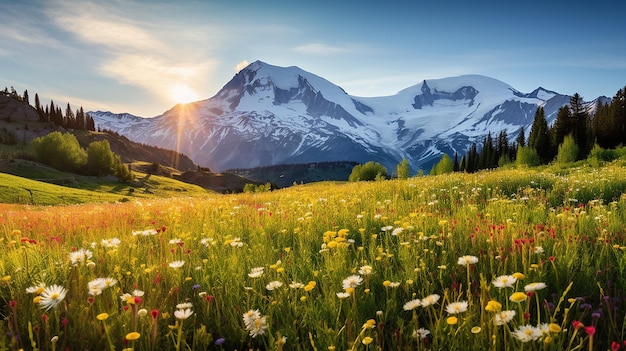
{"x":78,"y":119}
{"x":573,"y":128}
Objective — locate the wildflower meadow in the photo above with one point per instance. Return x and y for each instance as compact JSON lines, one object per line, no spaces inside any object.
{"x":498,"y":260}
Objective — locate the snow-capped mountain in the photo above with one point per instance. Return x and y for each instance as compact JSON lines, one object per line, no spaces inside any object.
{"x":268,"y":115}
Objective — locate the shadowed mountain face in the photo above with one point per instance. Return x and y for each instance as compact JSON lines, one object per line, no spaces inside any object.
{"x":268,"y":115}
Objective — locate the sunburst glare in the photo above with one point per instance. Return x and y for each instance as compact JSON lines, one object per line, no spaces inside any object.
{"x":183,"y":94}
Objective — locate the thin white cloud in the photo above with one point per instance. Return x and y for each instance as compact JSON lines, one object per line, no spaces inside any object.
{"x":241,"y":65}
{"x":321,"y":49}
{"x":133,"y":52}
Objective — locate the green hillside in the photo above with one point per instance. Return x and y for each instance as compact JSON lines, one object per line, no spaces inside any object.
{"x":27,"y":182}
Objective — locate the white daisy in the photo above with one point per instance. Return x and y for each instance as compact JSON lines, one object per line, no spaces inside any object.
{"x":183,"y":313}
{"x":504,"y":281}
{"x":467,"y":260}
{"x":413,"y":304}
{"x":535,"y":286}
{"x":457,"y":307}
{"x":352,"y":282}
{"x":430,"y":300}
{"x":51,"y":296}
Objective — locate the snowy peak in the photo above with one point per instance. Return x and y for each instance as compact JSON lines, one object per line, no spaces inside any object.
{"x":261,"y":87}
{"x":428,"y":96}
{"x":267,"y":115}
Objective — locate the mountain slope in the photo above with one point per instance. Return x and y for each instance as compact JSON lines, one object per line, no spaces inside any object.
{"x":268,"y":115}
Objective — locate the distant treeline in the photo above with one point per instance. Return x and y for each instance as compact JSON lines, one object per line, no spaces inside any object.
{"x":605,"y":128}
{"x":293,"y":166}
{"x":53,"y":113}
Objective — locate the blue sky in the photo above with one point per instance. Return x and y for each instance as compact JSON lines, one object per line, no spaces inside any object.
{"x":141,"y":57}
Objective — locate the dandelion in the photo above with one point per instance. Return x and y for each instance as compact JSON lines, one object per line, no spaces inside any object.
{"x":535,"y":286}
{"x":102,"y":316}
{"x":504,"y":317}
{"x":554,"y":328}
{"x":367,"y":340}
{"x":183,"y":314}
{"x":467,"y":260}
{"x":369,"y":324}
{"x":493,"y":306}
{"x":352,"y":282}
{"x":256,"y":272}
{"x":421,"y":333}
{"x":51,"y":297}
{"x":518,"y":297}
{"x":457,"y":307}
{"x":273,"y":285}
{"x":132,"y":336}
{"x":452,"y":320}
{"x":413,"y":304}
{"x":504,"y":281}
{"x":519,"y":276}
{"x":430,"y":300}
{"x":526,"y":333}
{"x":476,"y":330}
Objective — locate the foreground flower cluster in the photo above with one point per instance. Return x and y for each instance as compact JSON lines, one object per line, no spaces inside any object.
{"x":485,"y":261}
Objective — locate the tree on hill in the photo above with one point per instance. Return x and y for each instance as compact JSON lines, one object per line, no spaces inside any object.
{"x":568,"y":151}
{"x":369,"y":171}
{"x":445,"y":165}
{"x":403,"y":169}
{"x":100,"y":158}
{"x":527,"y":157}
{"x":581,"y":127}
{"x":61,"y":151}
{"x":539,"y":137}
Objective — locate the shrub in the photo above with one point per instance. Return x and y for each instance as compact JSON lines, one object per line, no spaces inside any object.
{"x":568,"y":151}
{"x":527,"y":157}
{"x":403,"y":169}
{"x":369,"y":171}
{"x":60,"y":151}
{"x":100,"y":159}
{"x":444,"y":166}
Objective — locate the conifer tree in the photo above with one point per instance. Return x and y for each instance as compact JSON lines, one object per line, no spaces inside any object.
{"x":39,"y":110}
{"x":618,"y":114}
{"x":539,"y":138}
{"x":560,"y":128}
{"x":581,"y":128}
{"x":25,"y":97}
{"x":521,"y":137}
{"x":70,"y":119}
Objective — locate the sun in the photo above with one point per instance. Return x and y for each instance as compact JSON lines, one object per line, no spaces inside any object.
{"x":183,"y":94}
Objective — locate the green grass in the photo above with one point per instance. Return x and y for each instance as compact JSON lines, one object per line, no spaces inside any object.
{"x":566,"y":230}
{"x":49,"y":186}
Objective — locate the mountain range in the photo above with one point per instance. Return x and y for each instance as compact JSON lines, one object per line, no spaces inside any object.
{"x":268,"y":115}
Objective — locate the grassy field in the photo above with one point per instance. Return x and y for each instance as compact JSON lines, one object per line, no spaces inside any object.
{"x":499,"y":260}
{"x":25,"y":182}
